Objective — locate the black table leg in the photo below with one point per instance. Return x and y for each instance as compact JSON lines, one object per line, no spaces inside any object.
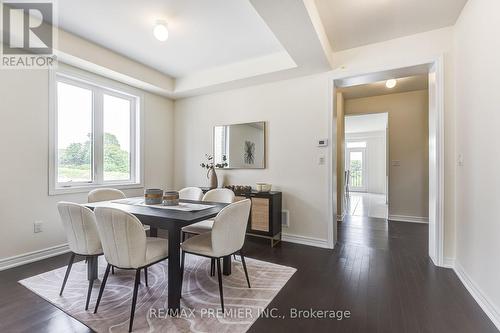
{"x":153,"y":232}
{"x":226,"y":264}
{"x":92,"y":268}
{"x":174,"y":271}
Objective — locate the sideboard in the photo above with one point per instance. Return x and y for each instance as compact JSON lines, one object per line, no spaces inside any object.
{"x":265,"y":216}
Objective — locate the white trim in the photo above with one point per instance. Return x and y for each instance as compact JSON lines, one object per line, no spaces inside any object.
{"x":448,"y":262}
{"x":394,"y":68}
{"x":29,"y":257}
{"x":332,"y":165}
{"x":102,"y":86}
{"x":482,"y":300}
{"x":407,"y":218}
{"x":304,"y":240}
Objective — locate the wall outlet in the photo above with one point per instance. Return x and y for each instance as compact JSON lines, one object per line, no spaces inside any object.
{"x":37,"y":226}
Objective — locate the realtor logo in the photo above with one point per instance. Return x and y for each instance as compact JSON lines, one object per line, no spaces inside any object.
{"x":28,"y":34}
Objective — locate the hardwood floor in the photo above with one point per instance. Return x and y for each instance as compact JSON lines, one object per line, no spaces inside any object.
{"x":378,"y":271}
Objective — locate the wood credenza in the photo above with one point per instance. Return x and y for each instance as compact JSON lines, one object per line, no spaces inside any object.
{"x":265,"y":215}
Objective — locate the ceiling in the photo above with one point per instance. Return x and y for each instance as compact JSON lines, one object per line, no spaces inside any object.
{"x":366,"y":123}
{"x":411,"y":83}
{"x":225,"y":44}
{"x":353,"y":23}
{"x":202,"y":34}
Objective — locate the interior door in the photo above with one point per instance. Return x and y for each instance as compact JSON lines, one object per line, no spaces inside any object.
{"x":356,"y":164}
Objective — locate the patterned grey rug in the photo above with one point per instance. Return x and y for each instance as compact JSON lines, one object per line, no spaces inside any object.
{"x":200,"y":306}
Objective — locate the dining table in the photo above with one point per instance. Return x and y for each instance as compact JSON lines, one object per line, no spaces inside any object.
{"x":172,"y":220}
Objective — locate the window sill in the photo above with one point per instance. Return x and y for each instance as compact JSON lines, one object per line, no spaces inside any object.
{"x":87,"y":188}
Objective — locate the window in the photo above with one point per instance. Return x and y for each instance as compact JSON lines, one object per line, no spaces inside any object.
{"x":96,"y":135}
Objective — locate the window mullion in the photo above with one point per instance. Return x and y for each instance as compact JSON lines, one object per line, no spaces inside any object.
{"x":98,"y":137}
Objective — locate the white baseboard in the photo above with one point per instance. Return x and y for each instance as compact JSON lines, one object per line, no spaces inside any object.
{"x":448,"y":262}
{"x":311,"y":241}
{"x":491,"y":311}
{"x":26,"y":258}
{"x":406,"y":218}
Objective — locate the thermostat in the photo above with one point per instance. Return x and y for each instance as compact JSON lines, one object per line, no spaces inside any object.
{"x":323,"y":143}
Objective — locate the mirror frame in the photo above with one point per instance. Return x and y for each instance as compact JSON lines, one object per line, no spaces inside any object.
{"x":265,"y":144}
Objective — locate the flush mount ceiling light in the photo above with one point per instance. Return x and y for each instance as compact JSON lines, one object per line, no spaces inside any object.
{"x":160,"y":30}
{"x":391,"y":83}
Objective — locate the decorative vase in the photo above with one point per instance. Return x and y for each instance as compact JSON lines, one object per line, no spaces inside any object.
{"x":212,"y":176}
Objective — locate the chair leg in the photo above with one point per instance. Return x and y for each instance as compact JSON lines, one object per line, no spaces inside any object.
{"x":146,"y":276}
{"x":134,"y":298}
{"x":212,"y":267}
{"x":71,"y":259}
{"x":89,"y":292}
{"x":183,"y":256}
{"x":101,"y":290}
{"x":113,"y":270}
{"x":245,"y":268}
{"x":183,"y":236}
{"x":219,"y":274}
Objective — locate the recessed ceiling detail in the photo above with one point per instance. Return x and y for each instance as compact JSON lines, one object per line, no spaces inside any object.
{"x":353,"y":23}
{"x":202,"y":34}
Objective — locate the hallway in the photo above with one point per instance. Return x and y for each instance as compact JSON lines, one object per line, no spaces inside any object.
{"x":367,"y":204}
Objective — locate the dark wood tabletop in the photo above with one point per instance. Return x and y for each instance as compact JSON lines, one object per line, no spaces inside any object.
{"x":181,"y":218}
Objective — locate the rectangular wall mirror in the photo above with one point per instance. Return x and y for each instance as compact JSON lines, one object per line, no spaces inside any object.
{"x":243,"y":145}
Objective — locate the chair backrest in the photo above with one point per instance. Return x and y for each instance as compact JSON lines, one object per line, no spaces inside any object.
{"x":191,"y":193}
{"x":123,"y":237}
{"x":105,"y":194}
{"x":223,"y":195}
{"x":228,"y":231}
{"x":80,"y":227}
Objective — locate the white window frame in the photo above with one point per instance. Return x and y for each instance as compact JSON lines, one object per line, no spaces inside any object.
{"x":100,"y":86}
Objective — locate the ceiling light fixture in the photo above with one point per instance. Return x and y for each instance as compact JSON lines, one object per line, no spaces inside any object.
{"x":160,"y":30}
{"x":391,"y":83}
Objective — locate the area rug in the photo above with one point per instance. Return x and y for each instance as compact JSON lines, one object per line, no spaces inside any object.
{"x":200,"y":303}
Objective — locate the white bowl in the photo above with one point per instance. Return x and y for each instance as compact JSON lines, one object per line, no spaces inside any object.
{"x":263,"y":187}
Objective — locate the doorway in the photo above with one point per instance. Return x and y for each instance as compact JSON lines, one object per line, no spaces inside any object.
{"x":433,"y":72}
{"x":365,"y":165}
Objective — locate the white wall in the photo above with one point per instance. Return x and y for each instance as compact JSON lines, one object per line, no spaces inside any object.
{"x":375,"y":159}
{"x":24,"y":127}
{"x":477,"y":48}
{"x":295,"y":113}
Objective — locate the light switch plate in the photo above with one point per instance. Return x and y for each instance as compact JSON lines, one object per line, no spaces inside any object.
{"x":37,"y":226}
{"x":321,"y":159}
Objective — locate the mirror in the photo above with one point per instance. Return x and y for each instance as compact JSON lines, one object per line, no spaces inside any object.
{"x":242,"y":145}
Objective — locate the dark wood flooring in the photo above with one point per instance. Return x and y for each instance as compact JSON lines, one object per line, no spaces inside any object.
{"x":379,"y":272}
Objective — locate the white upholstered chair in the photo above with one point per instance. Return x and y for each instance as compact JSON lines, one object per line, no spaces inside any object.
{"x":226,"y":238}
{"x":83,"y":238}
{"x":223,"y":195}
{"x":191,"y":193}
{"x":107,"y":194}
{"x":126,"y":246}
